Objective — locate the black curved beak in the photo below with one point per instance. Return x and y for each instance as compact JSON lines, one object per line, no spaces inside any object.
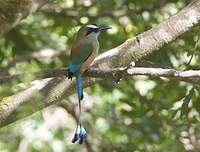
{"x":104,"y":28}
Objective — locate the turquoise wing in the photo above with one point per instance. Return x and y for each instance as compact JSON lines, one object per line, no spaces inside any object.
{"x":80,"y":53}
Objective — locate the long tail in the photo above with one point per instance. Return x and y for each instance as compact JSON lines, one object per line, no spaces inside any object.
{"x":79,"y":86}
{"x":80,"y":132}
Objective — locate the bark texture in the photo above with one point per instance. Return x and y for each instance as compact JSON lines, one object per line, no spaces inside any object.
{"x":12,"y":11}
{"x":151,"y":40}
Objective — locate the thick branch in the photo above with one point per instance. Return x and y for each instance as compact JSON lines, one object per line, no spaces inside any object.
{"x":151,"y":40}
{"x":49,"y":91}
{"x":39,"y":94}
{"x":12,"y":11}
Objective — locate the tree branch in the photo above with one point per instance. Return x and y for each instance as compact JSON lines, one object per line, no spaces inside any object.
{"x":192,"y":76}
{"x":152,"y":40}
{"x":42,"y":93}
{"x":12,"y":11}
{"x":56,"y":88}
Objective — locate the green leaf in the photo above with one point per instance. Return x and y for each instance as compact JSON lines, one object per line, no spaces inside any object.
{"x":186,"y":101}
{"x":175,"y":113}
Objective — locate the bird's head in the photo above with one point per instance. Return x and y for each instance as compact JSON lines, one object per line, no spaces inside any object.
{"x":91,"y":30}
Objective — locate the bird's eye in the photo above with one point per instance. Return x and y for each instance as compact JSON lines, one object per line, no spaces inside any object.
{"x":90,"y":30}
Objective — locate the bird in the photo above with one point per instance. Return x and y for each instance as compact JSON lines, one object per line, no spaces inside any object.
{"x":83,"y":51}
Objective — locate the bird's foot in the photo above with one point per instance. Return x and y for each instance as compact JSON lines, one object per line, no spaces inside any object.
{"x":69,"y":74}
{"x":80,"y":134}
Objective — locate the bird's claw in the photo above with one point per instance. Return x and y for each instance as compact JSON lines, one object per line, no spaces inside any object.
{"x":69,"y":74}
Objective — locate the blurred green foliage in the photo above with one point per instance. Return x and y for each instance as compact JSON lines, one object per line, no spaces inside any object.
{"x":134,"y":115}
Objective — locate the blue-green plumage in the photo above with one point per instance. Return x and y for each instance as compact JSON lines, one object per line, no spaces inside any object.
{"x":83,"y":52}
{"x":79,"y":86}
{"x":75,"y":70}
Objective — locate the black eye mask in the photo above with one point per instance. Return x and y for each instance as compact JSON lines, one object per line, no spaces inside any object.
{"x":90,"y":30}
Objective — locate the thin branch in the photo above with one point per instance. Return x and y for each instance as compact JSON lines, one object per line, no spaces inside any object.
{"x":116,"y":73}
{"x":190,"y":75}
{"x":49,"y":73}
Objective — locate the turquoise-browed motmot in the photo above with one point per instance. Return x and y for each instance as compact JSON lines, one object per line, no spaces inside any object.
{"x":83,"y":51}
